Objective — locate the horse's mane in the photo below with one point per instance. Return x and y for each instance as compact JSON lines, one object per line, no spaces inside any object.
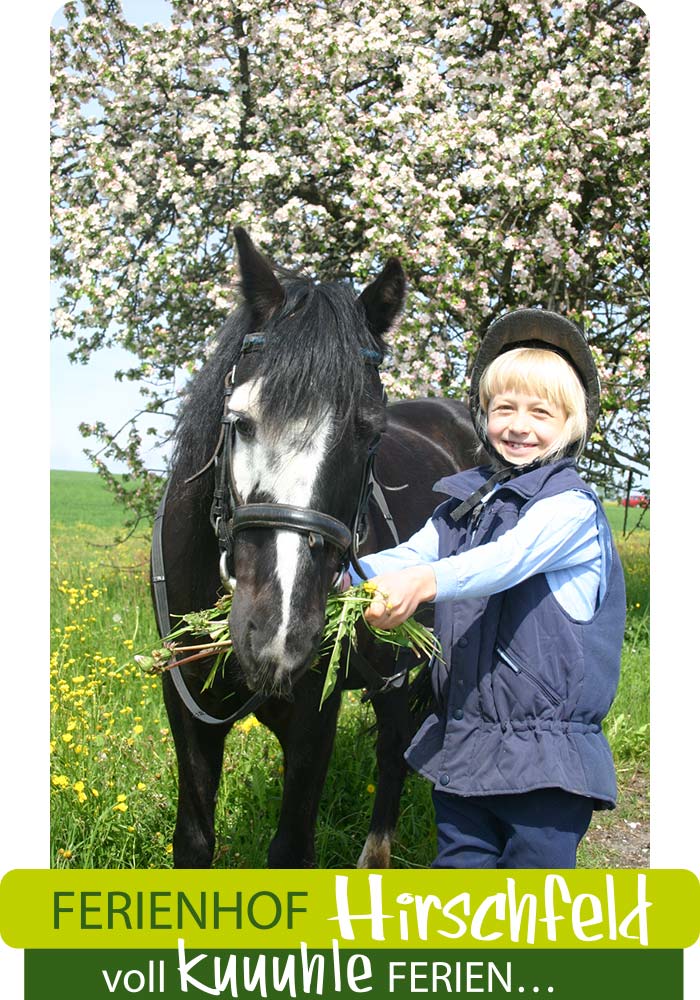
{"x":310,"y":364}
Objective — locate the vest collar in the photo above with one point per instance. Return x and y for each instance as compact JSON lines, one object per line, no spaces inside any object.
{"x":463,"y":484}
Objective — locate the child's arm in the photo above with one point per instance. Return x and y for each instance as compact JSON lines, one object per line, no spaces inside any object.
{"x":556,"y":533}
{"x":422,"y":547}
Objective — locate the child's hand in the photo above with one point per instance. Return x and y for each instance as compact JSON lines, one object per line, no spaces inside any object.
{"x":398,"y":595}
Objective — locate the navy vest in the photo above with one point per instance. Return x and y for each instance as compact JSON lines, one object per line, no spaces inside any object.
{"x":524,"y":686}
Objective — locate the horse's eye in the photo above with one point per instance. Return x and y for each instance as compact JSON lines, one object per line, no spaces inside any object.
{"x":245,"y":427}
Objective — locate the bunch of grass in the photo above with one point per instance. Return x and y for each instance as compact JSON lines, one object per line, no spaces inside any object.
{"x":343,"y":611}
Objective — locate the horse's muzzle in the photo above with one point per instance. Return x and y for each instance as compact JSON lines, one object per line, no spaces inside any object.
{"x":272,"y":656}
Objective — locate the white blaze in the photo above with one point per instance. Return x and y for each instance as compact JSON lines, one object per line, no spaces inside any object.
{"x":286,"y":468}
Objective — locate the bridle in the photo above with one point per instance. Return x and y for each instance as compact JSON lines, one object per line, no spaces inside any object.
{"x":230,"y":515}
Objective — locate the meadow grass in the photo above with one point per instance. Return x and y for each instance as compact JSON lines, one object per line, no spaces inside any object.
{"x":113,"y":768}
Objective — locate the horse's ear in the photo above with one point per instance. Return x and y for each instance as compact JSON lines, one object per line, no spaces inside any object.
{"x":261,"y":289}
{"x":384,"y":298}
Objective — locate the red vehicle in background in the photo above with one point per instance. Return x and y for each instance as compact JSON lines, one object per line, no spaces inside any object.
{"x":636,"y":498}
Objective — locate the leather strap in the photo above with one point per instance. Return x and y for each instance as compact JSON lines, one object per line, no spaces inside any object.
{"x":160,"y":600}
{"x":290,"y":518}
{"x":467,"y":505}
{"x":380,"y":501}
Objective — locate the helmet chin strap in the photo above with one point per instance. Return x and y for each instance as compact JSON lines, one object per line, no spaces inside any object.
{"x":502,"y":475}
{"x":498,"y":477}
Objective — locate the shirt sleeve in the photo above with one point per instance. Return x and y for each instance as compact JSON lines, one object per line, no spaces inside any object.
{"x":420,"y":548}
{"x":556,"y":533}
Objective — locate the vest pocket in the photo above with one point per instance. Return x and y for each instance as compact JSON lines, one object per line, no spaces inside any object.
{"x":521,"y":670}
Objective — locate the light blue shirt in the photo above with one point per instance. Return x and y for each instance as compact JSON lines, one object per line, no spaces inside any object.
{"x":559,"y":536}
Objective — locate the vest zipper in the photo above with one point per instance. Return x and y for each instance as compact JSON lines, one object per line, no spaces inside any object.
{"x":551,"y":697}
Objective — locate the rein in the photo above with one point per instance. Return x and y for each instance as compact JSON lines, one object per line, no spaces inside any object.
{"x":229,"y":515}
{"x":160,"y":600}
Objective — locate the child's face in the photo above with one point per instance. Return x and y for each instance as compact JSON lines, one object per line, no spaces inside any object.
{"x":523,"y":427}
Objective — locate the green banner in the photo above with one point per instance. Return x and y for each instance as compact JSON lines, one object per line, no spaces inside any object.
{"x":276,"y":910}
{"x":573,"y":975}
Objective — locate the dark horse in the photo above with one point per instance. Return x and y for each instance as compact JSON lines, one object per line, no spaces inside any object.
{"x":306,"y":411}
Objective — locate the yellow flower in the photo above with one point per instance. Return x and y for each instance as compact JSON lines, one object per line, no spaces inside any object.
{"x":371,"y":789}
{"x":67,"y":737}
{"x":121,"y":807}
{"x":79,"y":786}
{"x":60,"y":780}
{"x":370,"y":586}
{"x":121,"y":798}
{"x":141,"y":786}
{"x":247,"y":724}
{"x":137,"y":730}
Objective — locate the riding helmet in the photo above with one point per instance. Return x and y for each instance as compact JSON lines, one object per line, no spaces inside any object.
{"x":540,"y":329}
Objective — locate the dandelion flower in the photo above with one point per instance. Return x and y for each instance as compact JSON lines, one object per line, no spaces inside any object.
{"x":248,"y":724}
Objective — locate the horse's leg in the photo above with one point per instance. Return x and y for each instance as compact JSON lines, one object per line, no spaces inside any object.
{"x":306,"y":734}
{"x":393,"y":735}
{"x":200,"y":748}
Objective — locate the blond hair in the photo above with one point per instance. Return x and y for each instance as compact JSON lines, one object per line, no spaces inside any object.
{"x":539,"y":372}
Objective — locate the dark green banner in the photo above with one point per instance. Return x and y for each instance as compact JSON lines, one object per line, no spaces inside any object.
{"x":192,"y":972}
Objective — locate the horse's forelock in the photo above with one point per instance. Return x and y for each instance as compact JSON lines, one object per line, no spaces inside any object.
{"x":312,"y":364}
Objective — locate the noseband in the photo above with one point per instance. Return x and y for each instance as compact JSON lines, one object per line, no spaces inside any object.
{"x":229,"y":514}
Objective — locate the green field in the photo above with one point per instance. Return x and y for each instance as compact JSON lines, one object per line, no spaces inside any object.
{"x":81,"y":498}
{"x":113,"y":773}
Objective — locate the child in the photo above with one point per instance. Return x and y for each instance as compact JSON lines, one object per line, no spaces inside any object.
{"x":529,"y":609}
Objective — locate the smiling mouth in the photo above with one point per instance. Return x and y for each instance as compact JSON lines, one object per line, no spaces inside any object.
{"x":517,"y":445}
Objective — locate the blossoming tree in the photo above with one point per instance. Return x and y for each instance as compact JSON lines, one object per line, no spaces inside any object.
{"x":498,"y":147}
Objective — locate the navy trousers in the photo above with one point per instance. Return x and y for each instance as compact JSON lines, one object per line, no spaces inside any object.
{"x":539,"y":829}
